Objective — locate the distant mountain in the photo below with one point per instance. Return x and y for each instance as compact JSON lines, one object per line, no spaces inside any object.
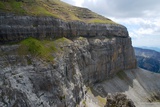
{"x":151,"y":48}
{"x":148,"y":59}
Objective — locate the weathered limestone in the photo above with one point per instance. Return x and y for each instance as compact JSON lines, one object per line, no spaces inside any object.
{"x":82,"y":63}
{"x":14,"y":28}
{"x":28,"y":81}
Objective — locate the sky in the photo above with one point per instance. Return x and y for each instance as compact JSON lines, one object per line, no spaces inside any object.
{"x":141,"y":17}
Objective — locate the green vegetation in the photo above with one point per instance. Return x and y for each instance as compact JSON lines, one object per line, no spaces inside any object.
{"x":41,"y":48}
{"x":37,"y":48}
{"x":81,"y":38}
{"x":101,"y":21}
{"x":2,"y":5}
{"x":55,"y":8}
{"x":17,"y":6}
{"x":38,"y":10}
{"x":84,"y":102}
{"x":62,"y":41}
{"x":122,"y":75}
{"x":12,"y":6}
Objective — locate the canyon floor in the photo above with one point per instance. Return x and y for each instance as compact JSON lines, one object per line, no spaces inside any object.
{"x":141,"y":86}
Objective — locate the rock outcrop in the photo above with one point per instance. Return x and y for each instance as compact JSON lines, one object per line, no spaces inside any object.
{"x":80,"y":63}
{"x":14,"y":28}
{"x":119,"y":100}
{"x":95,"y":52}
{"x":139,"y":85}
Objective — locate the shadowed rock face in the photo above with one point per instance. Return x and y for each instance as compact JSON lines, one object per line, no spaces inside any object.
{"x":141,"y":86}
{"x":81,"y":63}
{"x":100,"y":58}
{"x":119,"y":100}
{"x":14,"y":28}
{"x":100,"y":52}
{"x":15,"y":97}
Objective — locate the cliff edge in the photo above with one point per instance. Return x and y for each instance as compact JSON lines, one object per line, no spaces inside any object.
{"x":32,"y":77}
{"x":53,"y":61}
{"x":16,"y":25}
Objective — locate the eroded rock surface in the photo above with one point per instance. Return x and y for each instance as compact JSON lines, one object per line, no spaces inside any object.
{"x":140,"y":86}
{"x":14,"y":28}
{"x":119,"y":100}
{"x":33,"y":82}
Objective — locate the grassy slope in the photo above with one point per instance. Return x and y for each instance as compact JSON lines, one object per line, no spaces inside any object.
{"x":55,"y":8}
{"x":42,"y":48}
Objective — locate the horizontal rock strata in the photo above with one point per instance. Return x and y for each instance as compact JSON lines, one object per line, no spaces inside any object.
{"x":14,"y":28}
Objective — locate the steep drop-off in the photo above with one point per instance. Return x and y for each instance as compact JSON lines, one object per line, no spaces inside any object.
{"x":30,"y":81}
{"x":47,"y":61}
{"x":14,"y":28}
{"x":71,"y":21}
{"x":141,"y":86}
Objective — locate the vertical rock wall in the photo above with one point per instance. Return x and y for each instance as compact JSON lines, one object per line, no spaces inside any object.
{"x":100,"y":58}
{"x":14,"y":28}
{"x":28,"y":81}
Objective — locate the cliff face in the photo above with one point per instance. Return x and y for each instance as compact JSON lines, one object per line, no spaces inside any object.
{"x":14,"y":28}
{"x":29,"y":81}
{"x":140,"y":86}
{"x":92,"y":53}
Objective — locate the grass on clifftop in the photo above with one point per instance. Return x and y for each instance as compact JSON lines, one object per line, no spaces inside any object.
{"x":43,"y":49}
{"x":55,"y":8}
{"x":100,"y":21}
{"x":37,"y":48}
{"x":12,"y":6}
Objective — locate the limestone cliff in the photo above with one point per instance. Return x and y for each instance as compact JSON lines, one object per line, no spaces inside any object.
{"x":14,"y":28}
{"x":30,"y":81}
{"x":20,"y":19}
{"x":56,"y":68}
{"x":130,"y":88}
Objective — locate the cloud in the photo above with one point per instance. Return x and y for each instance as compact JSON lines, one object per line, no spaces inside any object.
{"x":125,"y":8}
{"x":74,"y":2}
{"x":141,"y":17}
{"x":144,"y":31}
{"x":147,"y":41}
{"x":121,"y":8}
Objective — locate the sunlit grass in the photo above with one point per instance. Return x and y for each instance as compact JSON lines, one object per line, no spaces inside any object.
{"x":101,"y":21}
{"x":12,"y":6}
{"x":37,"y":48}
{"x":42,"y":48}
{"x":54,"y":8}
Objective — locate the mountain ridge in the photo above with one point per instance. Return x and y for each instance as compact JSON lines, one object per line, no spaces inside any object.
{"x":148,"y":59}
{"x":54,"y":8}
{"x":151,"y":48}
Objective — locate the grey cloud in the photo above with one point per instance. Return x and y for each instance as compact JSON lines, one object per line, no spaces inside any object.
{"x":123,"y":11}
{"x":124,"y":8}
